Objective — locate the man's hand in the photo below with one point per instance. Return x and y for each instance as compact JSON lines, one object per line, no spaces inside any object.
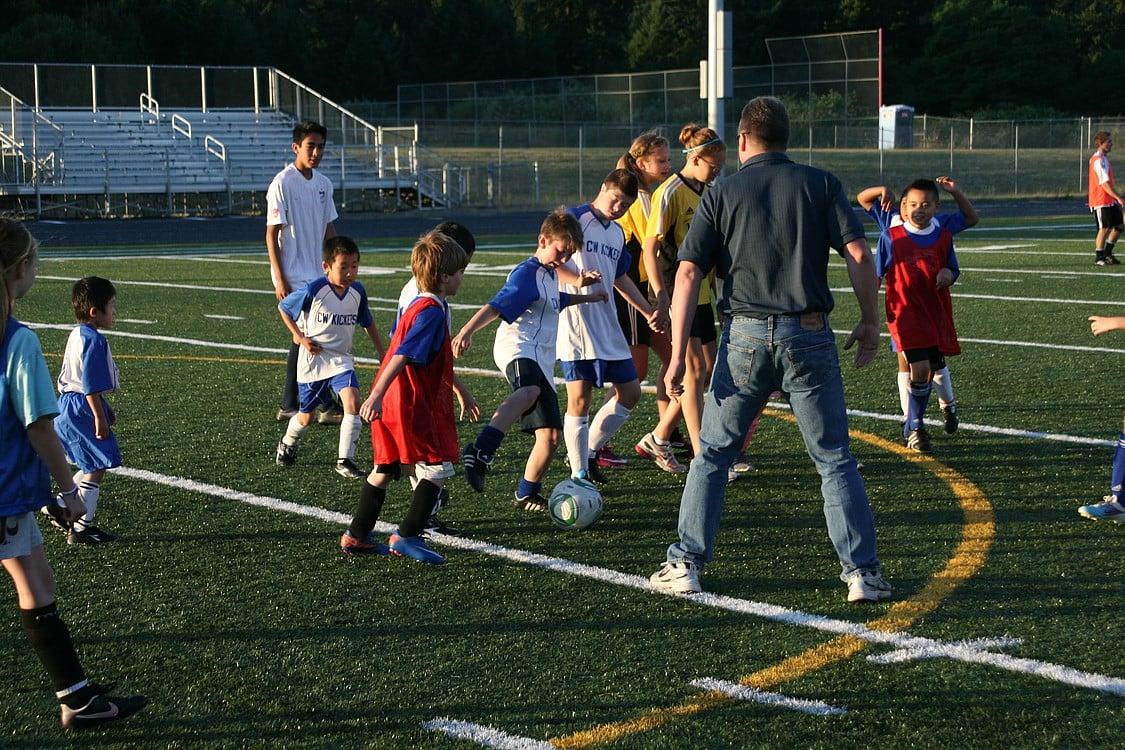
{"x":866,"y":335}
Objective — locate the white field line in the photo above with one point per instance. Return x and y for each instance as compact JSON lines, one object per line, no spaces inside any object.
{"x":972,"y":652}
{"x":484,"y":736}
{"x":754,"y":695}
{"x":1008,"y":431}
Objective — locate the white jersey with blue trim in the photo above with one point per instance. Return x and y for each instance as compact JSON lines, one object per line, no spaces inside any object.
{"x":528,"y":304}
{"x":592,"y":331}
{"x":329,"y":319}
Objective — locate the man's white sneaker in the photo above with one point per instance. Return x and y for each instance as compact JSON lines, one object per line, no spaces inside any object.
{"x":680,"y":577}
{"x":868,"y":586}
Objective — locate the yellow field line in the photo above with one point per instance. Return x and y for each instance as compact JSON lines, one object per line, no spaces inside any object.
{"x":977,"y":535}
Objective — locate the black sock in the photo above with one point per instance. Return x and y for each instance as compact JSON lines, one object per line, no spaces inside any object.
{"x":50,"y":638}
{"x":422,"y":506}
{"x":1109,"y":248}
{"x":367,"y":512}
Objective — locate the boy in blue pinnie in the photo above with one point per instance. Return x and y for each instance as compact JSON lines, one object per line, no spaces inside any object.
{"x":322,"y":317}
{"x":85,"y":416}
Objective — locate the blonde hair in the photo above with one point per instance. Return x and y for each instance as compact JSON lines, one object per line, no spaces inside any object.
{"x":699,"y":140}
{"x":643,"y":145}
{"x":561,"y":224}
{"x":16,"y":246}
{"x":434,"y":255}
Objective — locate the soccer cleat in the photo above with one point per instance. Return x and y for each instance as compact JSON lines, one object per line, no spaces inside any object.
{"x":1099,"y":257}
{"x":742,"y":465}
{"x":56,"y":513}
{"x":414,"y":547}
{"x":100,"y":710}
{"x":284,"y":415}
{"x":331,"y":414}
{"x":476,"y":466}
{"x":949,"y":418}
{"x":286,"y":454}
{"x":918,"y":441}
{"x":679,"y":577}
{"x":435,"y":525}
{"x":89,"y":535}
{"x":346,"y":468}
{"x":1108,"y":509}
{"x":732,"y":476}
{"x":595,"y":474}
{"x":606,"y":458}
{"x":534,"y":503}
{"x":1111,"y":259}
{"x":867,"y":586}
{"x":661,"y":454}
{"x":369,"y":545}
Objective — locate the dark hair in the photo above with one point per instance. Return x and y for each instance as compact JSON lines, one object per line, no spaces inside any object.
{"x":338,"y":245}
{"x":561,"y":224}
{"x":765,"y":120}
{"x":91,"y":292}
{"x":304,"y":129}
{"x":927,"y":186}
{"x":623,"y":180}
{"x":459,"y":234}
{"x":1101,"y":137}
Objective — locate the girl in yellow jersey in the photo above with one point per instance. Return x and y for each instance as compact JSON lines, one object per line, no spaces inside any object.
{"x":673,"y":206}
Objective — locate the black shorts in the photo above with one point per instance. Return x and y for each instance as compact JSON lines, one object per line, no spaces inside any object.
{"x":633,"y":324}
{"x":929,"y":354}
{"x":703,"y":324}
{"x":545,"y":411}
{"x":1109,"y":217}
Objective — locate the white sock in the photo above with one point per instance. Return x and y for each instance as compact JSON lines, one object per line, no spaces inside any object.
{"x":943,"y":384}
{"x":349,"y":435}
{"x":294,"y":432}
{"x":576,"y":436}
{"x":88,"y":493}
{"x":904,"y":392}
{"x":606,"y":423}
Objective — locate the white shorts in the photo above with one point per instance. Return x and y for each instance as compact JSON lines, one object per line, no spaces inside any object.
{"x":19,"y":535}
{"x":443,"y":470}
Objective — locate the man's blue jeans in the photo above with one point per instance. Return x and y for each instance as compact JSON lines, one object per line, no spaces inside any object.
{"x":795,"y":354}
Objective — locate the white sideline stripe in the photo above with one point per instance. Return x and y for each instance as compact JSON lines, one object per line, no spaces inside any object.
{"x":754,"y":695}
{"x":912,"y":654}
{"x":484,"y":736}
{"x":964,"y":651}
{"x":1007,"y":431}
{"x":225,"y":317}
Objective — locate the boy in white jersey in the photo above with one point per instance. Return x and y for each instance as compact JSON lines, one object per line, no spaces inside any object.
{"x":529,"y":305}
{"x":85,"y":420}
{"x":591,"y":346}
{"x":469,"y":406}
{"x":322,"y":318}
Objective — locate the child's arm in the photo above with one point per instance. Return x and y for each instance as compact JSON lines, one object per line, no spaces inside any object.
{"x":101,"y":419}
{"x":655,"y":278}
{"x":372,"y":408}
{"x":41,"y":434}
{"x":567,"y":299}
{"x":298,"y":336}
{"x":1101,"y":324}
{"x":948,"y":185}
{"x":657,"y":318}
{"x":373,"y":334}
{"x":879,"y":194}
{"x":466,"y":400}
{"x":574,"y":278}
{"x":464,"y":338}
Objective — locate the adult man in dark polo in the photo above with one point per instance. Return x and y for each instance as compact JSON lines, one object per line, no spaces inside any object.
{"x":767,"y":231}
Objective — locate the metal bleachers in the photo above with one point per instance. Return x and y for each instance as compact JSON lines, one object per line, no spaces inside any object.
{"x":146,"y":160}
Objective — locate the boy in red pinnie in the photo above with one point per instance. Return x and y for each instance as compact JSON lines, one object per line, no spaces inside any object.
{"x":411,"y":407}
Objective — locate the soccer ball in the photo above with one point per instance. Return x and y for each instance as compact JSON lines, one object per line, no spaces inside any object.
{"x":574,"y":504}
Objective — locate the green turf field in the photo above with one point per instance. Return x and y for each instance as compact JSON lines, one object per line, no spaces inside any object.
{"x":228,"y":603}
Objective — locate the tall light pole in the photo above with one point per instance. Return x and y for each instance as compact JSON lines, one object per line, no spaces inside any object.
{"x":716,"y":82}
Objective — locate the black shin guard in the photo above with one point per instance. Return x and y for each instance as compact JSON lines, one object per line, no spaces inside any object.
{"x":50,"y":638}
{"x":367,"y":512}
{"x":422,"y":506}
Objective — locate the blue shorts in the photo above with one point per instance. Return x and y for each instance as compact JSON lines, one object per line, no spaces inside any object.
{"x":319,"y":392}
{"x":600,"y":371}
{"x":75,"y":427}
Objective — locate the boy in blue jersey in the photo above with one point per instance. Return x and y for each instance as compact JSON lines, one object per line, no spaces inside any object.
{"x":524,"y":350}
{"x":322,"y":318}
{"x":1111,"y":507}
{"x":85,"y":417}
{"x":917,"y":262}
{"x":32,"y":455}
